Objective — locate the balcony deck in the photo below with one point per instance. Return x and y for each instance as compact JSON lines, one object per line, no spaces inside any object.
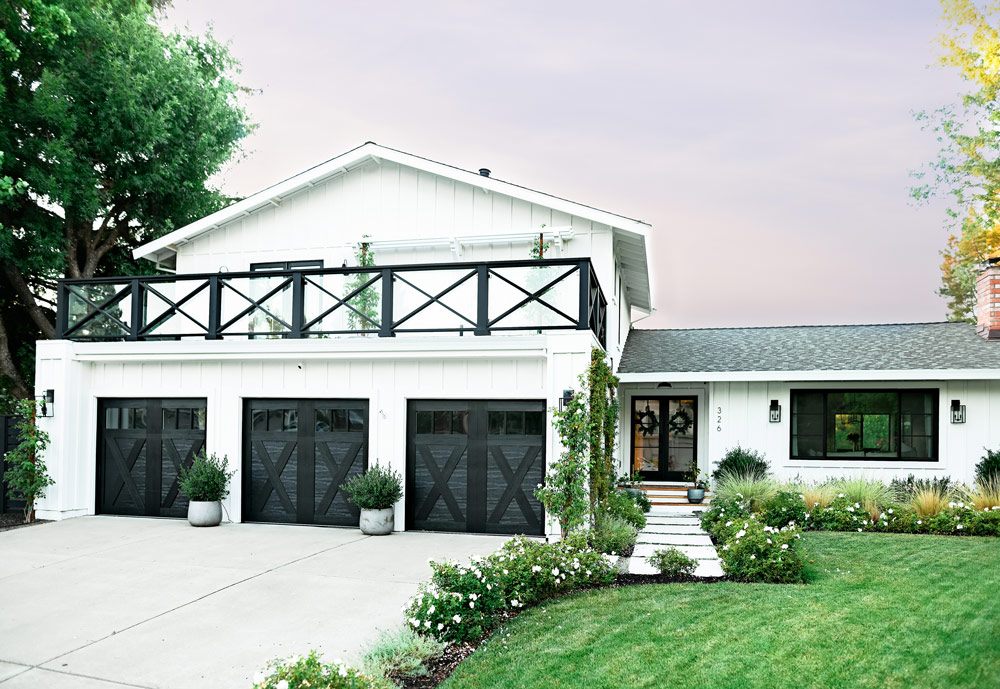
{"x":435,"y":298}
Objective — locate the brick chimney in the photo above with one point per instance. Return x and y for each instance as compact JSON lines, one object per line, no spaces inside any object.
{"x":988,"y":300}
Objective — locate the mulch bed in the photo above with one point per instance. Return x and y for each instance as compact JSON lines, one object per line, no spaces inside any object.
{"x":440,"y":669}
{"x":15,"y":520}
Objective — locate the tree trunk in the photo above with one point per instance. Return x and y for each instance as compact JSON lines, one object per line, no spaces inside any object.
{"x":8,"y":368}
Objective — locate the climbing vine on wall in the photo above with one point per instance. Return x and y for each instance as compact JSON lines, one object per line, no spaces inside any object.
{"x":366,"y":316}
{"x":603,"y":386}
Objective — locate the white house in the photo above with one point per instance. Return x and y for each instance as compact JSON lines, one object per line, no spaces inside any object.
{"x":267,"y":343}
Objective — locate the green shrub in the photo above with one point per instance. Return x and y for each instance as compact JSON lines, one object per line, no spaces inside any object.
{"x":26,"y":475}
{"x":840,"y":515}
{"x":744,"y":462}
{"x":722,"y":510}
{"x":783,"y":508}
{"x":207,"y":479}
{"x":760,"y":553}
{"x":376,"y":489}
{"x":463,"y":602}
{"x":903,"y":490}
{"x":673,"y":563}
{"x":988,"y":468}
{"x":642,"y":500}
{"x":613,"y":535}
{"x":401,"y":654}
{"x":750,"y":489}
{"x":619,"y":504}
{"x":310,"y":671}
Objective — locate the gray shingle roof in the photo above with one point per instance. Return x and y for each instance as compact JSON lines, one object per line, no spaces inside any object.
{"x":810,"y":348}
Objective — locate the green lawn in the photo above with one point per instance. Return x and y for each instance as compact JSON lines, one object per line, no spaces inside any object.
{"x":879,"y":610}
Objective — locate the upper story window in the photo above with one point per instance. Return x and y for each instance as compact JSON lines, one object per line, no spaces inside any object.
{"x":286,"y":265}
{"x":895,"y":425}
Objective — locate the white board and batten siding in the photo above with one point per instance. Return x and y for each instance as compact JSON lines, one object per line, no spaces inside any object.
{"x":536,"y":368}
{"x":739,"y":415}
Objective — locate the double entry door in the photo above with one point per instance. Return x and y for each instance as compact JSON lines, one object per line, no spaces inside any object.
{"x":664,"y":434}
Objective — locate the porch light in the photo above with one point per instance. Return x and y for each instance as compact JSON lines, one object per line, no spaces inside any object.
{"x":48,"y":402}
{"x":957,"y":411}
{"x":566,"y":398}
{"x":775,"y":412}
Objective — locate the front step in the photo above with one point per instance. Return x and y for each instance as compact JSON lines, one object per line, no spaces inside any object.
{"x":670,"y":494}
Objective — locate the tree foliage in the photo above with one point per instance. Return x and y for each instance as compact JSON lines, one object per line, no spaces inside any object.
{"x":110,"y":130}
{"x":968,"y":166}
{"x":365,"y":312}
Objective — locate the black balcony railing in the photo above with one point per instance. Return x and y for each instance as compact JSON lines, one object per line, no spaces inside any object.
{"x":463,"y":298}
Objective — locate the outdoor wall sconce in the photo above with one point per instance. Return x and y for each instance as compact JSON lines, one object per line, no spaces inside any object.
{"x":775,"y":412}
{"x":565,"y":399}
{"x":48,"y":403}
{"x":957,"y":411}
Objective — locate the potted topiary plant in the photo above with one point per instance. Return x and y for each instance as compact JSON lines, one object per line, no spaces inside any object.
{"x":375,"y":492}
{"x":205,"y":483}
{"x":696,"y":493}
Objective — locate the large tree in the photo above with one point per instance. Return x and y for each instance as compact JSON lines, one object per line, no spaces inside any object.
{"x":110,"y":130}
{"x":968,"y":167}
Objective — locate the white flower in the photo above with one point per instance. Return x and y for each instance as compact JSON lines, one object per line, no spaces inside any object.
{"x":951,"y":504}
{"x":440,"y":626}
{"x":457,"y":618}
{"x":555,"y":571}
{"x":725,"y":547}
{"x":259,"y":677}
{"x":473,"y":596}
{"x":427,"y":624}
{"x":840,"y":495}
{"x":489,"y":587}
{"x":784,"y":546}
{"x":958,"y":526}
{"x":414,"y":621}
{"x":920,"y":521}
{"x":753,"y":557}
{"x":430,"y":610}
{"x":283,"y":684}
{"x":472,"y":604}
{"x":514,"y":603}
{"x":536,"y":569}
{"x":342,"y":671}
{"x":769,"y":542}
{"x":890,"y":510}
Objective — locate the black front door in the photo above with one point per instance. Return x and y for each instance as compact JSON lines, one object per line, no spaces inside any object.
{"x":142,"y":444}
{"x":473,"y":465}
{"x":664,"y":437}
{"x":296,"y":454}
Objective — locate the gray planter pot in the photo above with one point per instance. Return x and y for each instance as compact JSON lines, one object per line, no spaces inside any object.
{"x":377,"y":522}
{"x":696,"y":495}
{"x":204,"y":513}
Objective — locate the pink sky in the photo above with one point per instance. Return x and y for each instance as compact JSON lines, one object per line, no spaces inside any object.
{"x":769,"y":144}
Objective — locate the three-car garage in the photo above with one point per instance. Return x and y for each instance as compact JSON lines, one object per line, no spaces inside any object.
{"x":471,"y":465}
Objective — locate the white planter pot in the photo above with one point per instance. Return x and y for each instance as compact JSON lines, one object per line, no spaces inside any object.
{"x":205,"y":513}
{"x":377,"y":522}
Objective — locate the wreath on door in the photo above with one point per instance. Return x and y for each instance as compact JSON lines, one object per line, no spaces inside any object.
{"x":680,"y":422}
{"x":646,"y":421}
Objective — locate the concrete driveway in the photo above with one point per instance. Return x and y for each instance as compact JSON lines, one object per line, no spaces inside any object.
{"x":104,"y":602}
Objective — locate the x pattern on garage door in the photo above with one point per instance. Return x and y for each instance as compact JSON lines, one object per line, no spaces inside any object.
{"x":474,"y":465}
{"x":142,"y":443}
{"x":296,"y":455}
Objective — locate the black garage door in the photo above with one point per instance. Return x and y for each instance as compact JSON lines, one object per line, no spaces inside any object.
{"x":141,"y":445}
{"x":296,"y":453}
{"x":474,"y":465}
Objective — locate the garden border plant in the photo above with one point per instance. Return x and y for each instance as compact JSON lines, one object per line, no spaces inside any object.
{"x":26,"y":475}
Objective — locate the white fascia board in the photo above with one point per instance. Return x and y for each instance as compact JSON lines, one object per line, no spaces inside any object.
{"x":339,"y":165}
{"x":810,"y":376}
{"x":335,"y":348}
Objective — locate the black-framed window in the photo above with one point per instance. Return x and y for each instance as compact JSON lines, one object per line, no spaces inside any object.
{"x":890,"y":425}
{"x":286,"y":265}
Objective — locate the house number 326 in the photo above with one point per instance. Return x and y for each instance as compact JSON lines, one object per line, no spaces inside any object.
{"x":718,"y":419}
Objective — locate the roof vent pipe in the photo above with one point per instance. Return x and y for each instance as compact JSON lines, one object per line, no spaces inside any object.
{"x":484,"y":171}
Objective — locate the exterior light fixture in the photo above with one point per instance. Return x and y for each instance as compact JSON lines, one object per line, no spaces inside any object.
{"x":957,"y":411}
{"x":775,"y":412}
{"x":47,"y":403}
{"x":566,"y":398}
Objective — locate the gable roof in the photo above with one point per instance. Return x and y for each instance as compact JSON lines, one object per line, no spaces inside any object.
{"x":877,"y":348}
{"x":630,"y":234}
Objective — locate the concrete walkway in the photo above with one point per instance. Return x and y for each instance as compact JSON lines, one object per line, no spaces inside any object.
{"x":111,"y":602}
{"x":681,"y":530}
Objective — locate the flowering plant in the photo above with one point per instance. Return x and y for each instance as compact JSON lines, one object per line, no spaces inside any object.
{"x":761,"y":553}
{"x":310,"y":671}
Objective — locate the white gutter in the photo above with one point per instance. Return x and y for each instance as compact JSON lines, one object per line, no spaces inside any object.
{"x":795,"y":376}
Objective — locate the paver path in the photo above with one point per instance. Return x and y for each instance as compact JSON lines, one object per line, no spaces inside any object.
{"x":682,"y":531}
